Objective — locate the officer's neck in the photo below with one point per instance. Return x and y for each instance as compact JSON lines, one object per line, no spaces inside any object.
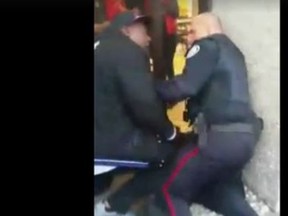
{"x":215,"y":30}
{"x":211,"y":35}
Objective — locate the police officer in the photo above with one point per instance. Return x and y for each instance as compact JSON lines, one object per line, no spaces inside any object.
{"x":228,"y":128}
{"x":131,"y":127}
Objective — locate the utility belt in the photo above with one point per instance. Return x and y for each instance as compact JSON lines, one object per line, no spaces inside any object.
{"x":202,"y":128}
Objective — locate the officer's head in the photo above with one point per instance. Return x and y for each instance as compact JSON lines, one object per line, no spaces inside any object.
{"x":203,"y":25}
{"x":134,"y":26}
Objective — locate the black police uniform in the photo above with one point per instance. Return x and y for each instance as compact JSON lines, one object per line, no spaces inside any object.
{"x":215,"y":73}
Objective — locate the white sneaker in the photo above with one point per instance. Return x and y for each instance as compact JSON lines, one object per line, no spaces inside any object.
{"x":99,"y":210}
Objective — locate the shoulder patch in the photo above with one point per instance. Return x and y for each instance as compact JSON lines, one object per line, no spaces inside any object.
{"x":193,"y":51}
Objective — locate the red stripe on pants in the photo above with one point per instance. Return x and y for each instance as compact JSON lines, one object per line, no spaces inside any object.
{"x":181,"y":164}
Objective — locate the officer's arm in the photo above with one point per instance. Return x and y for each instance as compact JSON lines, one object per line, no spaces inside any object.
{"x":139,"y":94}
{"x":200,"y":63}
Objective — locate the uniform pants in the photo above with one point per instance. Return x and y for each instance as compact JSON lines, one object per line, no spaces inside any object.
{"x":194,"y":174}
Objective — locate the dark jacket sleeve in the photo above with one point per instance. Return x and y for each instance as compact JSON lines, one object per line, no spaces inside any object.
{"x":199,"y":67}
{"x":139,"y":94}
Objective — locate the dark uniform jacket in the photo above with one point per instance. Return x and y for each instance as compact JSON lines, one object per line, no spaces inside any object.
{"x":216,"y":75}
{"x":127,"y":111}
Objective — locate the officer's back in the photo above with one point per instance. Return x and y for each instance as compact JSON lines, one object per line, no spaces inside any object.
{"x":225,"y":98}
{"x":124,"y":96}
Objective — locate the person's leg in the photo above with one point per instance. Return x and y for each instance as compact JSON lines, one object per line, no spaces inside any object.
{"x":176,"y":202}
{"x":143,"y":184}
{"x":185,"y":177}
{"x":103,"y":181}
{"x":175,"y":207}
{"x":227,"y":198}
{"x":220,"y":159}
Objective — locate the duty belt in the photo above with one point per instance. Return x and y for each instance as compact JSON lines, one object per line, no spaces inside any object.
{"x":202,"y":128}
{"x":233,"y":127}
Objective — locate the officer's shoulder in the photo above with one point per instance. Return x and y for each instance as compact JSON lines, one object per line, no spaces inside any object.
{"x":207,"y":43}
{"x":204,"y":46}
